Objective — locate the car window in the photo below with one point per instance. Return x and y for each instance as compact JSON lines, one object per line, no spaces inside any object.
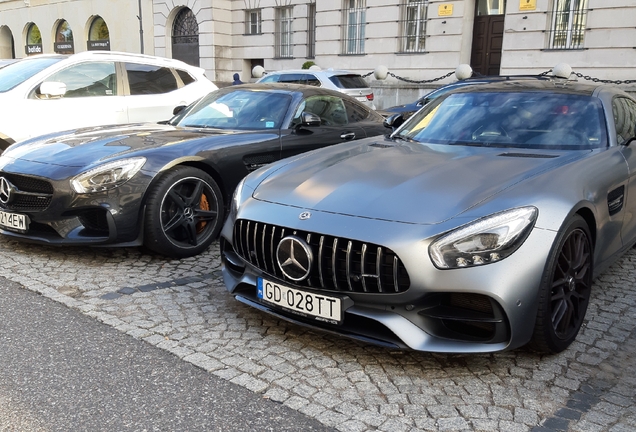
{"x":16,"y":73}
{"x":185,"y":77}
{"x":149,"y":79}
{"x":507,"y":119}
{"x":238,"y":110}
{"x":87,"y":79}
{"x":330,"y":109}
{"x":348,"y":81}
{"x":356,"y":112}
{"x":269,"y":79}
{"x":624,"y":119}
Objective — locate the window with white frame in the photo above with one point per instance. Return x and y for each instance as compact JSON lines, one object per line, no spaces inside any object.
{"x":414,"y":25}
{"x":253,"y":21}
{"x":354,"y":23}
{"x":568,"y":24}
{"x":284,"y":32}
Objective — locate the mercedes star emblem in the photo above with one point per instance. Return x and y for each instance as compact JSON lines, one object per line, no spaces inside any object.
{"x":294,"y":258}
{"x":5,"y":190}
{"x":304,"y":215}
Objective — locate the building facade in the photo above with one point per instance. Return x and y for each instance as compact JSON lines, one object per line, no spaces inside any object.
{"x":416,"y":40}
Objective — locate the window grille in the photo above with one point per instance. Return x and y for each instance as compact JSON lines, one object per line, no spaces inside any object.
{"x":311,"y":30}
{"x":414,"y":25}
{"x":568,"y":24}
{"x":284,"y":32}
{"x":253,"y":21}
{"x":355,"y":20}
{"x":185,"y":28}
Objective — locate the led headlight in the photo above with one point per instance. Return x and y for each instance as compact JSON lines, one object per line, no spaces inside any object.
{"x":107,"y":176}
{"x":485,"y":240}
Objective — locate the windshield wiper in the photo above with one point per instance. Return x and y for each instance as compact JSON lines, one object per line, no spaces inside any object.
{"x":197,"y":126}
{"x":404,"y":138}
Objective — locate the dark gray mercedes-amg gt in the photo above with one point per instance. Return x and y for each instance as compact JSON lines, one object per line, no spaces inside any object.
{"x":478,"y":226}
{"x":166,"y":185}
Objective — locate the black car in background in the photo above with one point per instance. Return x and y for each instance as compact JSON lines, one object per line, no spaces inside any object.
{"x":167,"y":186}
{"x":407,"y":110}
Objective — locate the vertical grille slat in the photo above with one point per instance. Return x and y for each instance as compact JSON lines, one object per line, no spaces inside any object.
{"x":363,"y":260}
{"x":320,"y":253}
{"x":340,"y":264}
{"x":334,"y":268}
{"x":348,"y":271}
{"x":378,"y":268}
{"x":395,"y":274}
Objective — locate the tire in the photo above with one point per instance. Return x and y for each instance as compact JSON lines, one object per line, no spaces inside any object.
{"x":184,"y":213}
{"x":565,"y":289}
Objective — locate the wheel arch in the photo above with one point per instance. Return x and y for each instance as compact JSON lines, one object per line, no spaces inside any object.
{"x":199,"y":164}
{"x":588,"y":215}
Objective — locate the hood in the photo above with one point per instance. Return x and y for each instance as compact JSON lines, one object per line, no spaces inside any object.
{"x":408,"y":182}
{"x":87,"y":146}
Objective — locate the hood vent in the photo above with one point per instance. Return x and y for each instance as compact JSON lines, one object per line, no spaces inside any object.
{"x":529,"y":155}
{"x":379,"y":145}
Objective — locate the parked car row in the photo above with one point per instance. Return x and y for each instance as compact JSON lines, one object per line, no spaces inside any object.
{"x":476,"y":225}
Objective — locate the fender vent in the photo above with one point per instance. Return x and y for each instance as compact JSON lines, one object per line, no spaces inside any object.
{"x":615,"y":200}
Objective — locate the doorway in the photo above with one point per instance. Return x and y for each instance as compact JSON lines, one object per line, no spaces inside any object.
{"x":488,"y":32}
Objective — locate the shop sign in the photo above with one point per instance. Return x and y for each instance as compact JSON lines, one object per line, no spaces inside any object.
{"x":99,"y":45}
{"x":63,"y":46}
{"x":33,"y":49}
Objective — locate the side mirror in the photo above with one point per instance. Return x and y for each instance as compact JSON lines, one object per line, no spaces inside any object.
{"x":178,"y":109}
{"x":52,"y":89}
{"x":394,"y":121}
{"x":309,"y":119}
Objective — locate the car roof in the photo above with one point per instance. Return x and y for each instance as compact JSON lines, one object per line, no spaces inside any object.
{"x":288,"y":88}
{"x":327,"y":72}
{"x":540,"y":83}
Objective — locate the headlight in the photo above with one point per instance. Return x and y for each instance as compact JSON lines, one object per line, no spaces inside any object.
{"x":107,"y":176}
{"x":484,"y":241}
{"x":236,"y":198}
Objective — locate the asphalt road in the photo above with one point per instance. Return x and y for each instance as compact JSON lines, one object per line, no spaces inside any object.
{"x":62,"y":370}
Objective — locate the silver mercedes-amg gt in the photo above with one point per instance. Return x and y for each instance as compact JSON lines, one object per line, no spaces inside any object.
{"x":478,"y":225}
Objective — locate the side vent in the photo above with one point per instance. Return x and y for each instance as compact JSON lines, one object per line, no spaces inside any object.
{"x":615,"y":200}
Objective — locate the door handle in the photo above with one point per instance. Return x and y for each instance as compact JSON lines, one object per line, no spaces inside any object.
{"x":347,"y":136}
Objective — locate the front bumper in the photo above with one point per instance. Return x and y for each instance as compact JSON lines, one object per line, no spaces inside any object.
{"x":469,"y":310}
{"x":67,"y":218}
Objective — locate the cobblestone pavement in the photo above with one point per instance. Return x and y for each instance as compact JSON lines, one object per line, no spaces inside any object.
{"x":182,"y":307}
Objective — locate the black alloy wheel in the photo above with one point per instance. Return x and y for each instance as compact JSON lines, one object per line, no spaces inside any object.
{"x":184,"y":213}
{"x":566,"y":289}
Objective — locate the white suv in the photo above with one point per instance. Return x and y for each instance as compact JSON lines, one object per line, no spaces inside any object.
{"x":343,"y":81}
{"x":49,"y":93}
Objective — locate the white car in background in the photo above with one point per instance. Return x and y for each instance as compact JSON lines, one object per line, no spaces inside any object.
{"x":346,"y":82}
{"x":50,"y":93}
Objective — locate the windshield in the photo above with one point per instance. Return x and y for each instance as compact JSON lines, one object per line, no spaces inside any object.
{"x":238,"y":109}
{"x":15,"y":73}
{"x":507,"y":119}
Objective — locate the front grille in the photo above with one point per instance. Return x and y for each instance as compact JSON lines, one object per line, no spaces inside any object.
{"x":29,"y":194}
{"x":339,"y":264}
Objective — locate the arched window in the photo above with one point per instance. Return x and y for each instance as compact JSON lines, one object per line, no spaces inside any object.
{"x":185,"y":37}
{"x":34,"y":40}
{"x":64,"y":38}
{"x":98,"y":35}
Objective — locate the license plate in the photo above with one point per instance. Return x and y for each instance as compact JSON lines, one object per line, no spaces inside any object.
{"x":14,"y":221}
{"x":318,"y":306}
{"x":361,"y":98}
